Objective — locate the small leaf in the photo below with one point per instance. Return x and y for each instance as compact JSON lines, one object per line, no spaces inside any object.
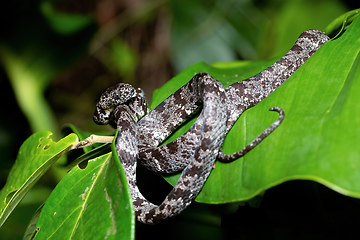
{"x":90,"y":203}
{"x":64,"y":23}
{"x":35,"y":157}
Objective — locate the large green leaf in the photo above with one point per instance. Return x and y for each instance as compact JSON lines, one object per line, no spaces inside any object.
{"x":90,"y":203}
{"x":35,"y":157}
{"x":318,"y":139}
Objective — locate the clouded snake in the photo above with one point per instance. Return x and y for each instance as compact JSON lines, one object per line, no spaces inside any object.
{"x":140,"y":133}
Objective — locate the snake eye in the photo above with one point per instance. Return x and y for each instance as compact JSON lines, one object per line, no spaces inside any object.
{"x":133,"y":92}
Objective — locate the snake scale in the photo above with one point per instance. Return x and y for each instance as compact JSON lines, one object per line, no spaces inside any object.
{"x":141,"y":132}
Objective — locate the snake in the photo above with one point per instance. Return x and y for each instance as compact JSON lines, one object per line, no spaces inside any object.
{"x":140,"y":132}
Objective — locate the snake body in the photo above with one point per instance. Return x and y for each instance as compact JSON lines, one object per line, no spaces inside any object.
{"x":195,"y":152}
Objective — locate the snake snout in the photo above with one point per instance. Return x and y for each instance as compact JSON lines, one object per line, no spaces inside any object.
{"x":101,"y":116}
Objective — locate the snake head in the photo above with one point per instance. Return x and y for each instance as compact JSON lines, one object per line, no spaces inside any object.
{"x":110,"y":99}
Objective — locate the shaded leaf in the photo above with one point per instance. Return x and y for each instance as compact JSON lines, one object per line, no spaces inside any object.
{"x":31,"y":228}
{"x":90,"y":203}
{"x":35,"y":157}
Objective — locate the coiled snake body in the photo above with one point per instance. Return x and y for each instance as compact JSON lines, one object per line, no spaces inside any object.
{"x":195,"y":152}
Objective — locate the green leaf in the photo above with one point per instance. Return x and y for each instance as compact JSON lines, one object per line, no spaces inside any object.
{"x":337,"y":26}
{"x":318,"y":139}
{"x":64,"y":23}
{"x":31,"y":228}
{"x":90,"y":203}
{"x":35,"y":157}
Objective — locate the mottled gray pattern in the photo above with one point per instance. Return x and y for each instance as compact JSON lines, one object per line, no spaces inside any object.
{"x":196,"y":150}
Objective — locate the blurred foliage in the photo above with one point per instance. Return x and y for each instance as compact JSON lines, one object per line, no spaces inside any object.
{"x":58,"y":56}
{"x":232,"y":30}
